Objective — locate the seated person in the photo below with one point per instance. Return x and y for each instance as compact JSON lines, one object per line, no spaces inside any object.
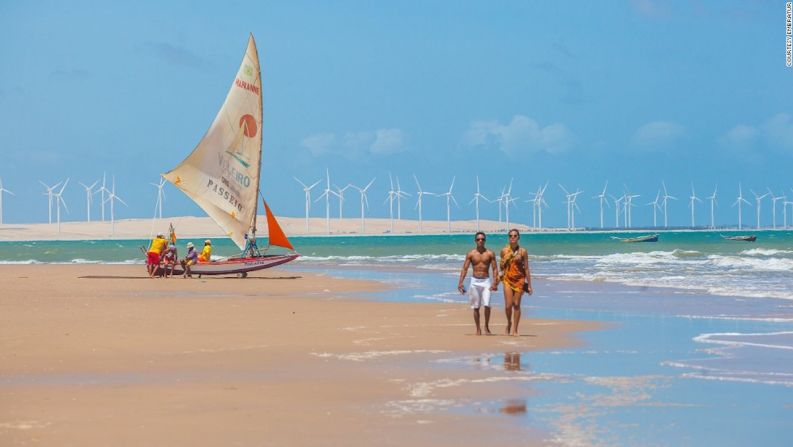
{"x":169,"y":259}
{"x":158,"y":244}
{"x":190,"y":259}
{"x":206,"y":253}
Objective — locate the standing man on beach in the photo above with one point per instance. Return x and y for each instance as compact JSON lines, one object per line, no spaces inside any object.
{"x":517,"y":279}
{"x":482,"y":260}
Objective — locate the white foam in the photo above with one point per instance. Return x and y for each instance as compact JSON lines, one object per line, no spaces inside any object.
{"x":765,"y":252}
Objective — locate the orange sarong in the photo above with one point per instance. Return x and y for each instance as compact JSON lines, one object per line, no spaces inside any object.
{"x":513,"y":272}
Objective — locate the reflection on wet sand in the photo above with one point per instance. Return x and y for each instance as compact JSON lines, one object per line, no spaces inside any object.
{"x":512,"y":361}
{"x":514,"y":406}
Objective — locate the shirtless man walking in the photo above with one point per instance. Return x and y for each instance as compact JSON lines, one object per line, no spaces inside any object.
{"x":483,"y":261}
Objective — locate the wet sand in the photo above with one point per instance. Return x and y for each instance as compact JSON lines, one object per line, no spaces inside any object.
{"x":100,"y":355}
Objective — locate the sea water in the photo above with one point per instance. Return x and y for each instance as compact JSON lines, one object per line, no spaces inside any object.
{"x":699,"y":349}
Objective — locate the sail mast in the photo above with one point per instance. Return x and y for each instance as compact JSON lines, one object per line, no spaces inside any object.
{"x":261,"y":114}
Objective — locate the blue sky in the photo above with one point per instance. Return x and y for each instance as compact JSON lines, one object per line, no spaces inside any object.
{"x":577,"y":93}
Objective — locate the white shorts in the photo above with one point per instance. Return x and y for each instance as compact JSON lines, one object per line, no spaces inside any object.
{"x":479,"y":292}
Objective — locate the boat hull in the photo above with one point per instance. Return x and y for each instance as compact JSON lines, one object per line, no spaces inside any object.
{"x":235,"y":266}
{"x":648,"y":238}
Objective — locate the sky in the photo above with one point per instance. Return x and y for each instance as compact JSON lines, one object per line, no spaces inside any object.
{"x":635,"y":93}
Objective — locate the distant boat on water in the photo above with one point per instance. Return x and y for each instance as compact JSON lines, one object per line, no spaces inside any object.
{"x":741,"y":238}
{"x":645,"y":238}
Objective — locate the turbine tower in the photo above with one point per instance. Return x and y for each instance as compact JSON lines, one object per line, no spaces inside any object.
{"x":475,"y":200}
{"x":103,"y":190}
{"x":160,"y":196}
{"x":326,"y":194}
{"x":691,"y":204}
{"x":399,"y":196}
{"x":507,"y":200}
{"x":307,"y":191}
{"x":89,"y":194}
{"x":774,"y":199}
{"x":340,"y":194}
{"x":449,"y":199}
{"x":420,"y":194}
{"x":784,"y":210}
{"x":2,"y":190}
{"x":617,"y":201}
{"x":656,"y":207}
{"x":568,"y":202}
{"x":666,"y":201}
{"x":758,"y":199}
{"x":629,"y":207}
{"x":364,"y":203}
{"x":602,"y":198}
{"x":50,"y":195}
{"x":58,"y":201}
{"x":713,"y":205}
{"x":540,"y":202}
{"x":738,"y":202}
{"x":390,"y":200}
{"x":112,"y":197}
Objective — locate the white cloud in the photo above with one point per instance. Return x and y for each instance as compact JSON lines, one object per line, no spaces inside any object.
{"x":776,"y":133}
{"x":658,"y":134}
{"x":319,"y":144}
{"x":739,"y":136}
{"x":779,"y":132}
{"x":356,"y":144}
{"x":520,"y":136}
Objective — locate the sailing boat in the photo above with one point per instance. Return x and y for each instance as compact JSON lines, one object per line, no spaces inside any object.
{"x":221,"y":175}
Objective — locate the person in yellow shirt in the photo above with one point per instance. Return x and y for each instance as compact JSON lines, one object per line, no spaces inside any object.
{"x":206,"y":253}
{"x":158,"y":244}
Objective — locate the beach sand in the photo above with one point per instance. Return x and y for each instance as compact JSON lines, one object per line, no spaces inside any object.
{"x":95,"y":355}
{"x":200,"y":227}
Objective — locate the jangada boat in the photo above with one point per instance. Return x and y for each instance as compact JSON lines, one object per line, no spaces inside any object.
{"x":646,"y":238}
{"x":741,"y":238}
{"x":222,"y":173}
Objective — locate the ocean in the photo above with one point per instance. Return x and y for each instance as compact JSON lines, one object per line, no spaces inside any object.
{"x":698,"y":348}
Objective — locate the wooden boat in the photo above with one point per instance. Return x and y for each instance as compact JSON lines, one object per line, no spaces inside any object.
{"x":741,"y":238}
{"x":222,"y":174}
{"x":645,"y":238}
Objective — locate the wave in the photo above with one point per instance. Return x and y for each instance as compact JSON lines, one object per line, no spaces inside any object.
{"x":765,"y":252}
{"x":761,"y":265}
{"x":779,"y":340}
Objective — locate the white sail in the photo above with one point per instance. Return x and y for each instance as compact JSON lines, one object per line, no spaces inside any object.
{"x":222,"y":173}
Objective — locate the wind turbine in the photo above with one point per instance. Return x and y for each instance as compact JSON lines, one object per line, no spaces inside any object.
{"x":541,"y":201}
{"x":103,"y":190}
{"x":738,"y":202}
{"x":449,"y":199}
{"x":784,"y":210}
{"x":617,"y":201}
{"x":666,"y":201}
{"x":326,"y":194}
{"x":390,"y":200}
{"x":629,"y":207}
{"x":58,"y":201}
{"x":399,"y":196}
{"x":533,"y":202}
{"x":420,"y":194}
{"x":50,"y":195}
{"x":340,"y":194}
{"x":656,"y":207}
{"x":507,"y":200}
{"x":500,"y":201}
{"x":568,"y":202}
{"x":476,"y":198}
{"x":89,"y":193}
{"x":773,"y":204}
{"x":602,"y":198}
{"x":574,"y":207}
{"x":758,"y":200}
{"x":364,"y":202}
{"x":2,"y":190}
{"x":307,"y":191}
{"x":691,"y":204}
{"x":713,"y":204}
{"x":112,"y":197}
{"x":160,"y":196}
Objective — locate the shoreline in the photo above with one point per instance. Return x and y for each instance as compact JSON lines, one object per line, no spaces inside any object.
{"x":96,"y":357}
